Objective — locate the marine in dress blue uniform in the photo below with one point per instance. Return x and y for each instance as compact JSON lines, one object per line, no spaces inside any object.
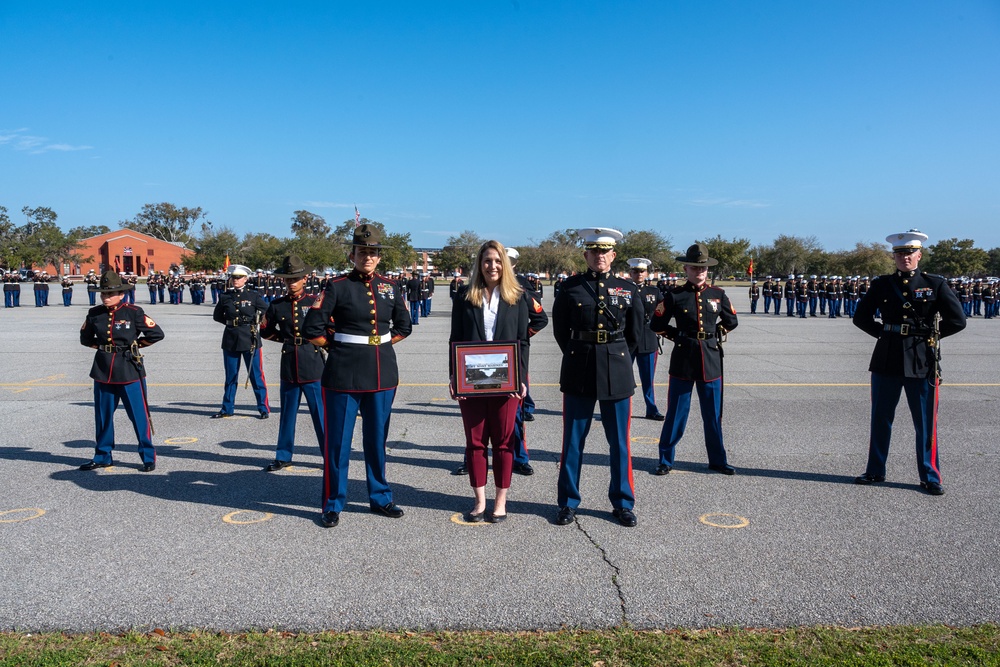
{"x":648,"y":348}
{"x":241,"y":310}
{"x":117,"y":331}
{"x":597,"y":321}
{"x":917,"y":310}
{"x":302,"y":362}
{"x":702,"y":316}
{"x":359,"y":317}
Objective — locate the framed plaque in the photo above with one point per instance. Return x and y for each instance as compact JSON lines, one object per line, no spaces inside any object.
{"x":489,"y":368}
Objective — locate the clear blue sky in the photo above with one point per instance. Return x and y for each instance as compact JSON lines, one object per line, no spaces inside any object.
{"x":846,"y":120}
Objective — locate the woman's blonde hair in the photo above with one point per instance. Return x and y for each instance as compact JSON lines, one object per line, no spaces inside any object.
{"x":510,"y":290}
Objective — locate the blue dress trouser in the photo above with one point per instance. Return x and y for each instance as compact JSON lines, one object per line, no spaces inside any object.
{"x":678,"y":408}
{"x":414,"y":312}
{"x":291,"y":396}
{"x":231,"y":361}
{"x":921,"y":396}
{"x":133,"y":396}
{"x":152,"y":296}
{"x":647,"y":369}
{"x":616,"y":416}
{"x":341,"y":411}
{"x":519,"y":445}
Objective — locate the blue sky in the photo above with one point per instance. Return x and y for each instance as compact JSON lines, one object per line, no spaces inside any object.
{"x":842,"y":120}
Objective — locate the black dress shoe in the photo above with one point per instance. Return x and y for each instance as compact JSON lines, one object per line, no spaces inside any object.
{"x":460,"y":470}
{"x":663,"y":469}
{"x":264,"y":415}
{"x":93,"y":465}
{"x":655,"y":416}
{"x":277,"y":465}
{"x":725,"y":469}
{"x":523,"y":469}
{"x":391,"y":510}
{"x":221,"y":415}
{"x":932,"y":488}
{"x":147,"y":467}
{"x":496,"y":518}
{"x":625,"y":517}
{"x":528,"y":417}
{"x":566,"y":516}
{"x":869,"y":478}
{"x":331,"y":519}
{"x":469,"y":517}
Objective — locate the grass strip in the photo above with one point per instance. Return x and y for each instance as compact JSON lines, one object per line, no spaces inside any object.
{"x":622,"y":647}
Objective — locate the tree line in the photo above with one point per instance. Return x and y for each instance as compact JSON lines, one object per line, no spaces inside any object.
{"x":40,"y":241}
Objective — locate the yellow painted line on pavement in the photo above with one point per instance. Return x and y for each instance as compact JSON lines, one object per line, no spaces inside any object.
{"x":712,"y":520}
{"x":35,"y":512}
{"x":252,"y":517}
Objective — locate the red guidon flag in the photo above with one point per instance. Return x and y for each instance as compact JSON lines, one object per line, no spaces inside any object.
{"x":750,"y":268}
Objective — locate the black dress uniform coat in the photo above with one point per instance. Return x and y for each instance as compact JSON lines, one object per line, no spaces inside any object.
{"x":695,"y":311}
{"x":301,"y":360}
{"x":589,"y":367}
{"x":240,"y":311}
{"x":360,"y":306}
{"x":908,"y":354}
{"x":511,"y":325}
{"x":113,"y":332}
{"x":649,"y":342}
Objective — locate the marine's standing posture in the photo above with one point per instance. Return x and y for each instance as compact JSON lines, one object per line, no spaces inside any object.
{"x":117,"y":331}
{"x":597,"y":321}
{"x":302,"y":362}
{"x":359,"y":317}
{"x":917,"y":309}
{"x":241,"y":309}
{"x":702,"y":316}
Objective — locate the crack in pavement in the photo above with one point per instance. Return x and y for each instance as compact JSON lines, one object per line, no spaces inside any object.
{"x":616,"y":572}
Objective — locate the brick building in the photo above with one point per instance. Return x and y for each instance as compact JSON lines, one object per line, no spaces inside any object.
{"x":127,"y":250}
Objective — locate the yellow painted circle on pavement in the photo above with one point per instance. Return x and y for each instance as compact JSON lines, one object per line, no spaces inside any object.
{"x":179,"y":441}
{"x":243,"y":517}
{"x":645,"y":440}
{"x":732,"y":520}
{"x":457,"y":518}
{"x":11,"y":516}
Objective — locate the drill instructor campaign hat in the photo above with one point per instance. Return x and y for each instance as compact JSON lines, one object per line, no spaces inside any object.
{"x":292,"y":267}
{"x":697,"y":255}
{"x":368,"y":236}
{"x":112,"y":282}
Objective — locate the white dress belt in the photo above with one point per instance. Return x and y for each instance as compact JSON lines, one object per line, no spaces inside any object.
{"x":374,"y":339}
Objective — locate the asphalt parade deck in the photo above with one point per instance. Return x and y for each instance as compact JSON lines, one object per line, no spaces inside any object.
{"x":210,"y":540}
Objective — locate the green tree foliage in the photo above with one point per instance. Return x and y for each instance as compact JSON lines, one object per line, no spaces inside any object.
{"x":40,"y":241}
{"x":993,"y":265}
{"x":559,"y":252}
{"x":787,"y":255}
{"x":867,"y":260}
{"x":7,"y":239}
{"x":88,"y":231}
{"x":733,"y":255}
{"x":165,"y":221}
{"x":459,"y":252}
{"x":952,"y":257}
{"x":260,"y":251}
{"x":648,"y":244}
{"x":309,"y":225}
{"x":211,"y":247}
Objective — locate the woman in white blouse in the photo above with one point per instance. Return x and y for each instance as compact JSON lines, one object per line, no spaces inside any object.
{"x":493,"y":307}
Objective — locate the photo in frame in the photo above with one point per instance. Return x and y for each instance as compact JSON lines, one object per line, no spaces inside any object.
{"x":489,"y":368}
